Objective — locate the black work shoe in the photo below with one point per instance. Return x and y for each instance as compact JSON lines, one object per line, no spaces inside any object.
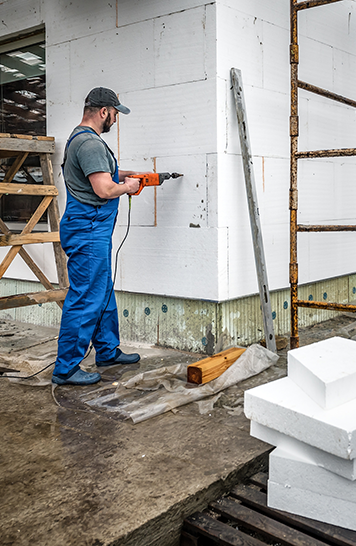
{"x":120,"y":358}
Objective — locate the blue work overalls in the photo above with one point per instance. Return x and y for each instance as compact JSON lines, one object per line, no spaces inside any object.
{"x":86,"y":237}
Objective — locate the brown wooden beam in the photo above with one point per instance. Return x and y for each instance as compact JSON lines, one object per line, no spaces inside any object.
{"x":53,"y":215}
{"x":27,"y":189}
{"x":34,"y":298}
{"x":17,"y":143}
{"x":11,"y":172}
{"x":30,"y":238}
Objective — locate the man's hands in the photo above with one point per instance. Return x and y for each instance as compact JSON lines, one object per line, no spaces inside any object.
{"x":132,"y":184}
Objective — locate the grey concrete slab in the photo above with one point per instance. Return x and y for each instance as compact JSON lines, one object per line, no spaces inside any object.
{"x":71,"y":475}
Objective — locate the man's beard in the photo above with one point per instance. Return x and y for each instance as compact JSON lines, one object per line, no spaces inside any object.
{"x":107,"y":124}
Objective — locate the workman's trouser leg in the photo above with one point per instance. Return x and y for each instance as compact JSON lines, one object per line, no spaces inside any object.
{"x":87,"y":242}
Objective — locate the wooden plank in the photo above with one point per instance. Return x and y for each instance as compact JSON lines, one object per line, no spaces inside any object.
{"x":37,"y":215}
{"x":30,"y":238}
{"x":31,"y":264}
{"x":267,"y":527}
{"x":255,"y":222}
{"x":27,"y":229}
{"x":210,"y":368}
{"x":27,"y":189}
{"x":35,"y":298}
{"x":15,"y":167}
{"x":26,"y":137}
{"x":215,"y":530}
{"x":26,"y":145}
{"x":260,"y":479}
{"x":186,"y":539}
{"x":53,"y":215}
{"x":331,"y":533}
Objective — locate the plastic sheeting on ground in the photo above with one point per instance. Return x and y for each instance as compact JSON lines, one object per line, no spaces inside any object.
{"x":152,"y":393}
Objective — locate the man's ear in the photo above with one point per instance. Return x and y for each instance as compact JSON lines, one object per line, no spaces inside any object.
{"x":103,"y":112}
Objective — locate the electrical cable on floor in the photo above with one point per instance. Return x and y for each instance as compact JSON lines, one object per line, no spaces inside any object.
{"x":102,"y":314}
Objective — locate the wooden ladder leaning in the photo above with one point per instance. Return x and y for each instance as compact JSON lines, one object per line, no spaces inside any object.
{"x":20,"y":147}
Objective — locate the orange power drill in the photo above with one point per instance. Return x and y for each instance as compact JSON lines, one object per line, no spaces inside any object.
{"x":153,"y":179}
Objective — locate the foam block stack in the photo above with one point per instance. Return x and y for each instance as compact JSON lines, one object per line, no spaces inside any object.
{"x":310,"y":416}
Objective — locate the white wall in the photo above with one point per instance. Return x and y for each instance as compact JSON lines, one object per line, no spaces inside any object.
{"x":254,"y":37}
{"x":170,"y":61}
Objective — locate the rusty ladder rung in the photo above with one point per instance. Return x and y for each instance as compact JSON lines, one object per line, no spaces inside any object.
{"x":320,"y":228}
{"x":326,"y":305}
{"x":337,"y":152}
{"x":325,"y":93}
{"x":314,"y":3}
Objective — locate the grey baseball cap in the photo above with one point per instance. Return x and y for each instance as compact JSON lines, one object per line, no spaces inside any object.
{"x":101,"y":96}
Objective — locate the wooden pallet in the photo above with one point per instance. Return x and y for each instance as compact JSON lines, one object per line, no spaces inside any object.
{"x":20,"y":147}
{"x":244,"y":519}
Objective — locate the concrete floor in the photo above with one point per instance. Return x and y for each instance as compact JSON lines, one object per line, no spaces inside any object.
{"x":73,"y":475}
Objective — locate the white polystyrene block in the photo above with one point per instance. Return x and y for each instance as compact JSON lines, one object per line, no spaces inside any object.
{"x":276,"y":12}
{"x":295,"y":469}
{"x":330,"y":124}
{"x":239,"y":45}
{"x":128,"y":63}
{"x":325,"y":370}
{"x":344,"y":73}
{"x":264,"y":109}
{"x":335,"y":26}
{"x":179,"y":47}
{"x":311,"y":70}
{"x":132,"y":11}
{"x":276,"y":57}
{"x":337,"y":465}
{"x":19,"y":16}
{"x":284,"y":406}
{"x":173,"y":120}
{"x":312,"y":505}
{"x":169,"y":261}
{"x":69,"y":21}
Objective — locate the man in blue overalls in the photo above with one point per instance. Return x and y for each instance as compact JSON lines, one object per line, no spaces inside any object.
{"x":93,"y":190}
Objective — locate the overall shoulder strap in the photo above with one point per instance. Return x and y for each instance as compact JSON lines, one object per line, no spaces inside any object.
{"x":70,"y":140}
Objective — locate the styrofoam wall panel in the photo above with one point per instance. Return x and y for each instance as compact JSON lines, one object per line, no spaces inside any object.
{"x":132,"y":11}
{"x":177,"y":118}
{"x":296,"y":469}
{"x":124,"y":59}
{"x":344,"y":65}
{"x":17,"y":15}
{"x":238,"y":33}
{"x":334,"y":24}
{"x":337,"y":465}
{"x":67,"y":21}
{"x":315,"y":62}
{"x":319,"y":506}
{"x":276,"y":41}
{"x":180,"y":262}
{"x":276,"y":12}
{"x":179,"y":47}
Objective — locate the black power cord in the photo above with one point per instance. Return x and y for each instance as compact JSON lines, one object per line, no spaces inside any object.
{"x":102,"y":314}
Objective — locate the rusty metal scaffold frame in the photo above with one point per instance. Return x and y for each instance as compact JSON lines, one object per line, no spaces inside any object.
{"x":295,"y":155}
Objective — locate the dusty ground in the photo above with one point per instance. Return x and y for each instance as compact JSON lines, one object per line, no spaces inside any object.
{"x":71,"y":475}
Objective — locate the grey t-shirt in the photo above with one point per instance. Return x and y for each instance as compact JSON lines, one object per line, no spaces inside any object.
{"x":86,"y":154}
